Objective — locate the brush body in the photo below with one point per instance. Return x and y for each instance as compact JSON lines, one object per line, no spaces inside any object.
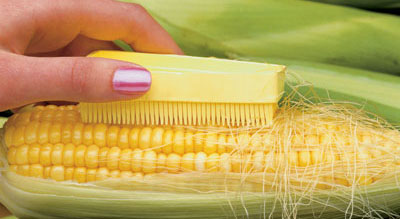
{"x":195,"y":91}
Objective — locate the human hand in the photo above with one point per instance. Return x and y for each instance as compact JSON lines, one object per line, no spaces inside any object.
{"x":36,"y":36}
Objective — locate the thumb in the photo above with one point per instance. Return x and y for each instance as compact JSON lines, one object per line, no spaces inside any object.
{"x":26,"y":80}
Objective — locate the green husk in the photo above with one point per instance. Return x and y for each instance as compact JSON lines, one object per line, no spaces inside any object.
{"x":2,"y":121}
{"x":286,"y":29}
{"x":373,"y":92}
{"x":121,"y":44}
{"x":367,"y":4}
{"x":47,"y":199}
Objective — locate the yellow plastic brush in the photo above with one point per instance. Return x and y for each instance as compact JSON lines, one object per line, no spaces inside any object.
{"x":189,"y":90}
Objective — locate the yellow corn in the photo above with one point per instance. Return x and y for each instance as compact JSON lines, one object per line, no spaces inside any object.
{"x":52,"y":142}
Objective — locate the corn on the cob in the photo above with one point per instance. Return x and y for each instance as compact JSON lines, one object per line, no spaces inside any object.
{"x":51,"y":142}
{"x":49,"y":148}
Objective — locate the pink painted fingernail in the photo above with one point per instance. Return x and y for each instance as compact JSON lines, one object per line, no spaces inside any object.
{"x":132,"y":80}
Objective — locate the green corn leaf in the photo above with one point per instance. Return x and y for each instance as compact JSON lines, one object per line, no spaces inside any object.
{"x":372,"y":91}
{"x":122,"y":45}
{"x":200,"y":28}
{"x":287,"y":29}
{"x":367,"y":4}
{"x":2,"y":121}
{"x":110,"y":199}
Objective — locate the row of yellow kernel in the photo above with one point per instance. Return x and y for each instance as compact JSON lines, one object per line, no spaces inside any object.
{"x":179,"y":140}
{"x":59,"y":114}
{"x":77,"y":174}
{"x":150,"y":161}
{"x":83,"y":174}
{"x":113,"y":158}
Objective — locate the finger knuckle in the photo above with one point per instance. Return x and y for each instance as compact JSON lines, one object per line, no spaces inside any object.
{"x":79,"y":75}
{"x":139,"y":9}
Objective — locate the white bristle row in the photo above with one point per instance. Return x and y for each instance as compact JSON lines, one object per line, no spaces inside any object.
{"x":178,"y":113}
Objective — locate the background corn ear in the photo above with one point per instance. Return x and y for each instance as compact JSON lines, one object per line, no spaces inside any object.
{"x":275,"y":32}
{"x":372,"y":91}
{"x":367,"y":4}
{"x":288,"y":29}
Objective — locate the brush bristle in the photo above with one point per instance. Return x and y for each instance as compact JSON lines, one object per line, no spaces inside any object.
{"x":178,"y":113}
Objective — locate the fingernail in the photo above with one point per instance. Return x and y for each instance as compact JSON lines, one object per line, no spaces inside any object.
{"x":132,"y":80}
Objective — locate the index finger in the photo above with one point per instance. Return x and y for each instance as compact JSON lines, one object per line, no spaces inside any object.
{"x":129,"y":22}
{"x":48,"y":25}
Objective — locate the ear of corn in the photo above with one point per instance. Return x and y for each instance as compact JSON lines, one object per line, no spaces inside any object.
{"x":57,"y":165}
{"x":53,"y":143}
{"x":274,"y":29}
